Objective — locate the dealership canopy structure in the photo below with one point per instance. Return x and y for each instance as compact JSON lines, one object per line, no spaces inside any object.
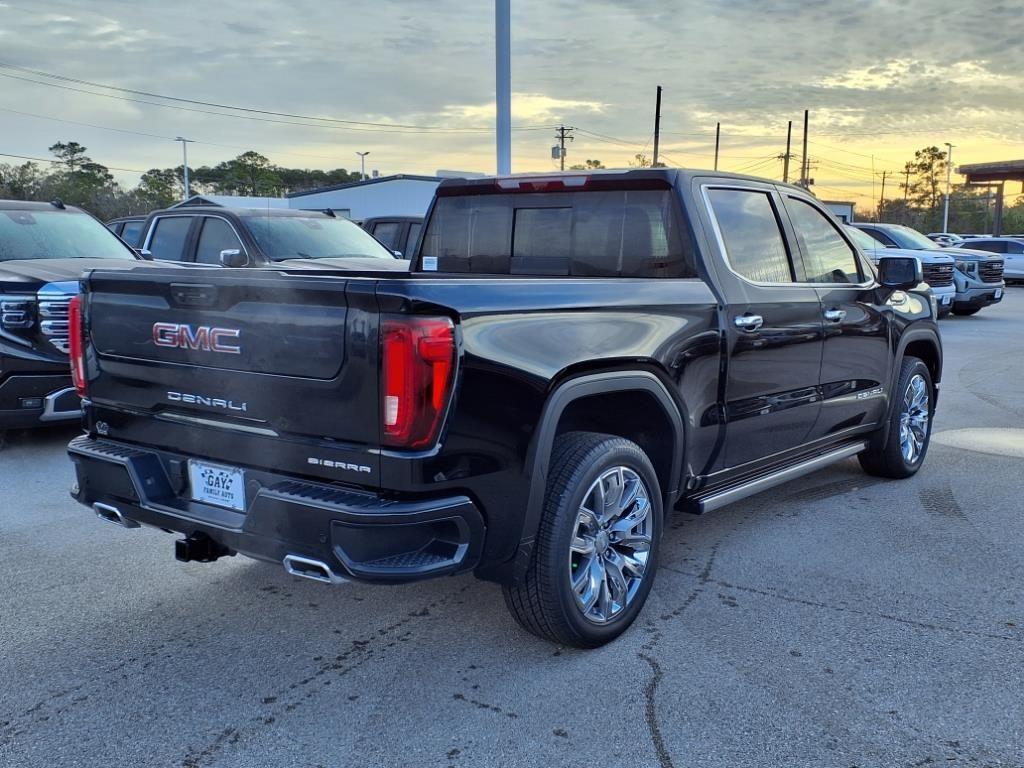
{"x":994,"y":175}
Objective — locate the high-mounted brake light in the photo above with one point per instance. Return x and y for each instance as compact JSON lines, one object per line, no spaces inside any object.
{"x":76,"y":345}
{"x":418,"y":362}
{"x":540,"y":183}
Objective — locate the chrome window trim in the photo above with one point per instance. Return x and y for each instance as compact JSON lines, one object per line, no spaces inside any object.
{"x":705,"y":188}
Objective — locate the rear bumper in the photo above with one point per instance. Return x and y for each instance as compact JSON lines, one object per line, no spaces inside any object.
{"x":359,"y":535}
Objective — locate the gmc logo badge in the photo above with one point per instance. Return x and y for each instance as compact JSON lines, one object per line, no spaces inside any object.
{"x":204,"y":337}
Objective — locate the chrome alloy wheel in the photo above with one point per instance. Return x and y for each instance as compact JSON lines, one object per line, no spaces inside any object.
{"x":914,"y":419}
{"x":611,"y":544}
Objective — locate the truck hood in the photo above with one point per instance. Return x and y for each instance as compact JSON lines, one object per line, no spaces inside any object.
{"x":31,"y":274}
{"x":926,"y":257}
{"x":969,"y":254}
{"x":347,"y":264}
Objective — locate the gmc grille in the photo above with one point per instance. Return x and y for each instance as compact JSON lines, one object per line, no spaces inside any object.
{"x":938,"y":275}
{"x":990,"y":271}
{"x":53,"y":317}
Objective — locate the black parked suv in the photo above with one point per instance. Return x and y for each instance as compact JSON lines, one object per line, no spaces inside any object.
{"x":261,"y":237}
{"x":571,"y":357}
{"x":44,"y":248}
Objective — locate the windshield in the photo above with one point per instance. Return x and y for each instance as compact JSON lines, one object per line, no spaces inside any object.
{"x":313,"y":237}
{"x":863,"y":240}
{"x":56,"y":234}
{"x":906,"y":237}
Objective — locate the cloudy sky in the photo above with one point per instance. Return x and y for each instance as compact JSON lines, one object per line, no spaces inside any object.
{"x":881,"y":78}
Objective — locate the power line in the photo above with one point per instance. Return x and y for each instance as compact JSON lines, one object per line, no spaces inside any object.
{"x":156,"y":135}
{"x":51,"y":160}
{"x":250,"y":110}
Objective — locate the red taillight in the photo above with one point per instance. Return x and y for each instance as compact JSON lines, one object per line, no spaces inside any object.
{"x":416,"y":378}
{"x":76,"y":345}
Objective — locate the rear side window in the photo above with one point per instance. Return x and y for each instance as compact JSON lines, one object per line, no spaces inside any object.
{"x":614,"y":233}
{"x":994,"y":246}
{"x":131,"y":232}
{"x":411,"y":238}
{"x":828,"y":258}
{"x":387,"y":232}
{"x":167,"y":242}
{"x":751,"y":235}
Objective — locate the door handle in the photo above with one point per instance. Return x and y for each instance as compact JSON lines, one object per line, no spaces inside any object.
{"x":835,"y":315}
{"x":748,"y":322}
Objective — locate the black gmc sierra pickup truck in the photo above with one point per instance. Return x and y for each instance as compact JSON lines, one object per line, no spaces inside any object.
{"x":569,"y":358}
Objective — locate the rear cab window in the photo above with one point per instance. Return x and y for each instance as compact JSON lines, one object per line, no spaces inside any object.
{"x":580,"y":233}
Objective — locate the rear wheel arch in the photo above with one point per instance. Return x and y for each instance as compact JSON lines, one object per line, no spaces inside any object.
{"x":595,"y":403}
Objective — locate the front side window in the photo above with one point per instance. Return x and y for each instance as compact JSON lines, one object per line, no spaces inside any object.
{"x":600,"y":233}
{"x":131,"y":232}
{"x":828,"y":258}
{"x":167,"y":243}
{"x":751,"y":234}
{"x":43,"y":234}
{"x":216,"y":236}
{"x":994,"y":246}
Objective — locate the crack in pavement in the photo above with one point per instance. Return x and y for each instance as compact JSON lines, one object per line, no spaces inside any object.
{"x":651,"y":712}
{"x":291,"y":697}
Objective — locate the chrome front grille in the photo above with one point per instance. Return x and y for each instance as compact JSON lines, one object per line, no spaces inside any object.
{"x":16,"y":312}
{"x":990,"y":271}
{"x":52,"y":307}
{"x":938,"y":275}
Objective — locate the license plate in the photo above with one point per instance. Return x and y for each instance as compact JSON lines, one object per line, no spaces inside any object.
{"x":998,"y":294}
{"x":217,"y":485}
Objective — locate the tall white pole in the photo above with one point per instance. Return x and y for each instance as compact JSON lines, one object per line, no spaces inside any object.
{"x":362,"y":164}
{"x":184,"y":155}
{"x":949,"y":170}
{"x":503,"y":83}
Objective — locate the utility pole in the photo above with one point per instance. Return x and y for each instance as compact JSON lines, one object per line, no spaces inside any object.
{"x":503,"y":84}
{"x":718,"y":135}
{"x":184,"y":154}
{"x":362,"y":164}
{"x":805,"y":166}
{"x":562,"y":133}
{"x":949,"y":170}
{"x":657,"y":126}
{"x":785,"y":158}
{"x":881,"y":200}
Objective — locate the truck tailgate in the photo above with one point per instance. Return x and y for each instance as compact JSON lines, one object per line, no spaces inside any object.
{"x":237,"y":348}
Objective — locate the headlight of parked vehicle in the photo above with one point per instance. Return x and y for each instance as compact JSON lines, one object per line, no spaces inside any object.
{"x":17,"y":312}
{"x":965,"y":266}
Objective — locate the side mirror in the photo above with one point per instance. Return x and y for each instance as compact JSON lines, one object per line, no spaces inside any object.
{"x":900,"y":272}
{"x":142,"y":253}
{"x":233,"y":257}
{"x":397,"y":254}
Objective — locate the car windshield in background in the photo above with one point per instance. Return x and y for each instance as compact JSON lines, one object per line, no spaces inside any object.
{"x":906,"y":237}
{"x":313,"y":237}
{"x":863,"y":240}
{"x":57,"y":235}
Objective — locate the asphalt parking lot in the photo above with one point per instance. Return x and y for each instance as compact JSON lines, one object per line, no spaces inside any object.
{"x":837,"y":621}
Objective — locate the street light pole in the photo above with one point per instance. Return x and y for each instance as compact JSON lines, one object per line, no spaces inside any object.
{"x":362,"y":163}
{"x":184,"y":153}
{"x":503,"y":85}
{"x":949,"y":170}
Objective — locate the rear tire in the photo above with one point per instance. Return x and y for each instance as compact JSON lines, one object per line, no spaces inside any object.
{"x":966,"y":311}
{"x":596,"y":551}
{"x":910,"y":425}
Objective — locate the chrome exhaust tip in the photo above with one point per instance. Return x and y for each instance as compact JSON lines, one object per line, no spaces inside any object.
{"x":113,"y":515}
{"x":311,"y":569}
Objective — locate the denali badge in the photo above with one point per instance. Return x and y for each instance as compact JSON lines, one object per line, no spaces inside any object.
{"x":339,"y":465}
{"x":204,"y":337}
{"x":212,"y":402}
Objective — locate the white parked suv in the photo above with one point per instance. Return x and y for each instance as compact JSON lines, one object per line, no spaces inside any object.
{"x":936,"y":266}
{"x":1010,"y":248}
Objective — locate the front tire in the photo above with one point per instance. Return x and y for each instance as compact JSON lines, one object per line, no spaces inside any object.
{"x":909,"y":427}
{"x":596,"y":552}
